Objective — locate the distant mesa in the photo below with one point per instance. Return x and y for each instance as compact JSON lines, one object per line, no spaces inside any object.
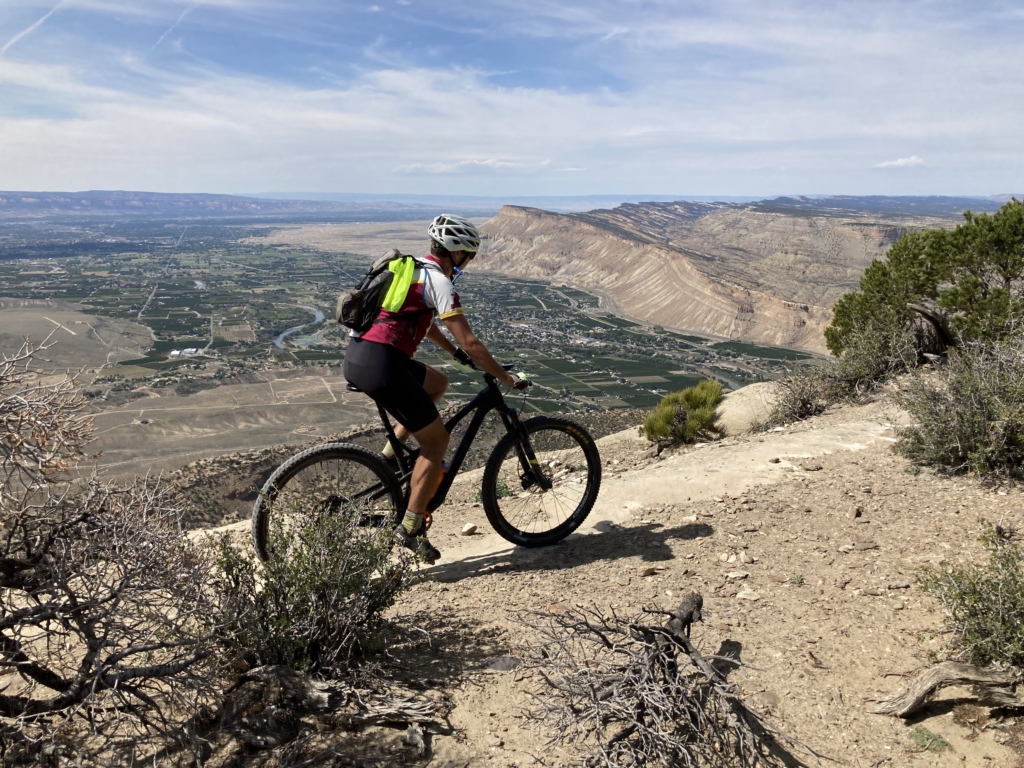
{"x":408,"y":206}
{"x":766,"y":272}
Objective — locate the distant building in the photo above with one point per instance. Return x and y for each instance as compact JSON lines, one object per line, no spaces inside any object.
{"x":176,"y":353}
{"x":190,"y":351}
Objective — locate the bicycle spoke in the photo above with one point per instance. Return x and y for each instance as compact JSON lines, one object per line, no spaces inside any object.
{"x":334,"y":481}
{"x":568,"y":461}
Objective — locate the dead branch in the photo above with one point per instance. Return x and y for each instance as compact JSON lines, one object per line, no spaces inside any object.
{"x":993,"y":687}
{"x":943,"y":337}
{"x":626,"y":692}
{"x":106,"y":617}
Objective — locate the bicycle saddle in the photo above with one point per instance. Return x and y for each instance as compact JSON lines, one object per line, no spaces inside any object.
{"x":352,"y":388}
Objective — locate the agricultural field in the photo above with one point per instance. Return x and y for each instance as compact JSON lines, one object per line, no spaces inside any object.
{"x":183,"y":333}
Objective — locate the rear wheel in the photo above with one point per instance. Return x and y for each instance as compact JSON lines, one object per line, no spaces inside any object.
{"x":531,"y":513}
{"x":318,"y":484}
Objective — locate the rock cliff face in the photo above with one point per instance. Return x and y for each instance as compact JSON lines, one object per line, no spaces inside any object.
{"x":737,"y":271}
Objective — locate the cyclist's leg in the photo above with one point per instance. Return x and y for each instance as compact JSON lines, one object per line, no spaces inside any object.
{"x":433,"y":441}
{"x":435,"y":384}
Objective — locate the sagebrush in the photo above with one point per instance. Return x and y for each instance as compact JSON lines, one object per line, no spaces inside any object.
{"x":685,"y":416}
{"x":983,"y":602}
{"x":309,"y":607}
{"x":969,"y":414}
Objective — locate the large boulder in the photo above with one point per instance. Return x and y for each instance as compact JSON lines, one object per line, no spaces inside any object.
{"x":746,"y":408}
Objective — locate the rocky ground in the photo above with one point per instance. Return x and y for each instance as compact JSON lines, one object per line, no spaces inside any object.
{"x":808,"y":572}
{"x":806,"y":544}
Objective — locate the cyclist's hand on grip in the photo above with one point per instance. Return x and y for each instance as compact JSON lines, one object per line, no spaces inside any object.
{"x":521,"y":382}
{"x":461,"y":356}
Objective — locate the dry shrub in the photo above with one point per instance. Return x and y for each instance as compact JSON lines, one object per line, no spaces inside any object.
{"x":105,"y":625}
{"x":621,"y":691}
{"x":311,"y":609}
{"x":684,"y":416}
{"x":800,"y":397}
{"x":970,"y":414}
{"x":869,"y":359}
{"x":872,"y":357}
{"x":983,"y":602}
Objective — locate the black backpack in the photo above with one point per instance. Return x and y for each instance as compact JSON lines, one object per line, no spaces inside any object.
{"x":358,"y":307}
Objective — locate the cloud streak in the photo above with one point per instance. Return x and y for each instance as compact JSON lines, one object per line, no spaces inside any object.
{"x":518,"y":97}
{"x":173,"y":26}
{"x":32,"y":28}
{"x":903,"y":162}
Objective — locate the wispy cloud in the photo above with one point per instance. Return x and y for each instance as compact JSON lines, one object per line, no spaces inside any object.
{"x":459,"y":166}
{"x":31,"y":28}
{"x":513,"y":96}
{"x":902,"y":162}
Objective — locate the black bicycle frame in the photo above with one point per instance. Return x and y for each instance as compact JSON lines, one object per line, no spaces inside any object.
{"x":487,"y":400}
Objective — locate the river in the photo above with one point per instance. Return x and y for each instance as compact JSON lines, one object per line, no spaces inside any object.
{"x":279,"y":341}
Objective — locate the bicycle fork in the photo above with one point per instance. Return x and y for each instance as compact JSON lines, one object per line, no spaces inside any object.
{"x":528,"y":462}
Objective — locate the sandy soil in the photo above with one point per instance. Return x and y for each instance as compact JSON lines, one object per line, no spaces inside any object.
{"x":827,"y":617}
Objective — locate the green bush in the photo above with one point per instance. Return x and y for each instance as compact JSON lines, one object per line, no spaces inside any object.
{"x":310,"y":610}
{"x":983,"y":602}
{"x":685,"y":416}
{"x":925,"y":739}
{"x":503,"y":491}
{"x":970,"y":414}
{"x":879,"y":308}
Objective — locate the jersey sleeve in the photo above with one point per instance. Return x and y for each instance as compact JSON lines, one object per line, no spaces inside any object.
{"x":440,"y":295}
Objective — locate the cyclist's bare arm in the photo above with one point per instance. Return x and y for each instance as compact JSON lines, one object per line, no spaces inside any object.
{"x":437,"y":336}
{"x":475,"y":348}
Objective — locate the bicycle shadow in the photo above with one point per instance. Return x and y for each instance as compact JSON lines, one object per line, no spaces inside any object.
{"x":649,"y":541}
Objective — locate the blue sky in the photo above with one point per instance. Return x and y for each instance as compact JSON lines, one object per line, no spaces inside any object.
{"x":513,"y":97}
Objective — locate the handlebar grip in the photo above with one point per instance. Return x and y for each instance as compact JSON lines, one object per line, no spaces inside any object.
{"x":461,"y":356}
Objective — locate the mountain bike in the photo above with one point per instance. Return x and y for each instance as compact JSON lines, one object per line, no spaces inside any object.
{"x":539,"y":483}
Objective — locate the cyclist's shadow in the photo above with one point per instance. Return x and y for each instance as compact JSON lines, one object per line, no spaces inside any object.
{"x":649,"y":541}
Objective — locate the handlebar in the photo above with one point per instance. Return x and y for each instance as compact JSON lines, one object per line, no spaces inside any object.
{"x":465,"y":359}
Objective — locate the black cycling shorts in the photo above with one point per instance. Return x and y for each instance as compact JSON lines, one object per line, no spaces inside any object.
{"x":392,"y":379}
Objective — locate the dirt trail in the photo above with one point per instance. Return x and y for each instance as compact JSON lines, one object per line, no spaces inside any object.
{"x":807,"y":565}
{"x":806,"y":545}
{"x":709,"y":470}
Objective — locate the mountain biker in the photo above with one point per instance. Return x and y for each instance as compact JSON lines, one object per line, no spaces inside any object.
{"x":380,"y":362}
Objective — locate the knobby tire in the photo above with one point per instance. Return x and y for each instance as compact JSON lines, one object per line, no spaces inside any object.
{"x":329,"y":479}
{"x":517,"y":508}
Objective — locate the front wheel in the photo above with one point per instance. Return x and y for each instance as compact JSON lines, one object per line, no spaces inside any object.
{"x":327,"y":485}
{"x":531,"y":512}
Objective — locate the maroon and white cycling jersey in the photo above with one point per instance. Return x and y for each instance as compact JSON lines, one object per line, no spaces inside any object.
{"x":431,"y":293}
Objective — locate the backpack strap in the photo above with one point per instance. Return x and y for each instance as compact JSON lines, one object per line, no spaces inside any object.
{"x":403,"y":267}
{"x":403,"y":270}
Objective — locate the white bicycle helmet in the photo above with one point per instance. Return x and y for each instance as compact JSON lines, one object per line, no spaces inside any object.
{"x":454,"y":233}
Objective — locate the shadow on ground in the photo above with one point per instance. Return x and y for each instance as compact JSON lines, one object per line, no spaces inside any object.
{"x":650,"y":542}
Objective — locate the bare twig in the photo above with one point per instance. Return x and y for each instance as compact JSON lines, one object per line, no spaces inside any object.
{"x":104,"y":609}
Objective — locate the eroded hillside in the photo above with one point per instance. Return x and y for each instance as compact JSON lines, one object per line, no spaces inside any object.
{"x":761,"y":273}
